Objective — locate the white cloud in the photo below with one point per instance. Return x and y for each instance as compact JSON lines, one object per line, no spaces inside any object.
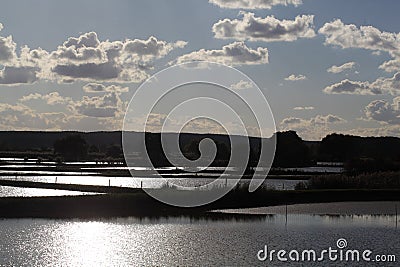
{"x":352,"y":88}
{"x":52,"y":98}
{"x":304,"y":108}
{"x":242,"y":85}
{"x":366,"y":37}
{"x":383,"y":111}
{"x":344,"y":67}
{"x":108,"y":105}
{"x":7,"y":50}
{"x":294,"y":77}
{"x":18,"y":75}
{"x":83,"y":58}
{"x":98,"y":87}
{"x":391,"y":65}
{"x":386,"y":130}
{"x":389,"y":85}
{"x":87,"y":58}
{"x":236,"y":53}
{"x":268,"y":29}
{"x":379,"y":86}
{"x":21,"y":117}
{"x":311,"y":129}
{"x":148,"y":50}
{"x":32,"y":57}
{"x":89,"y":113}
{"x":317,"y":120}
{"x":253,"y":4}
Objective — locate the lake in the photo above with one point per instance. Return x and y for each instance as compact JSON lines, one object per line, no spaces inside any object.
{"x":13,"y":169}
{"x":214,"y":240}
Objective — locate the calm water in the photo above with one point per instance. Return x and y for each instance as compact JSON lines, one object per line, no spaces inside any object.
{"x":89,"y":176}
{"x":122,"y":182}
{"x":8,"y":191}
{"x":184,"y":241}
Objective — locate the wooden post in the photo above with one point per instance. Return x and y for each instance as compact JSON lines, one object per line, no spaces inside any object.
{"x":286,"y":215}
{"x":109,"y":182}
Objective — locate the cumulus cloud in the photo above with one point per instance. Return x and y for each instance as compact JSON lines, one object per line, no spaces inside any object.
{"x":253,"y":4}
{"x":311,"y":129}
{"x":107,"y":105}
{"x":389,"y":85}
{"x":148,"y":49}
{"x":242,"y":85}
{"x":88,"y":113}
{"x":33,"y":57}
{"x":386,"y":130}
{"x":383,"y":111}
{"x":83,"y":58}
{"x":294,"y":77}
{"x":391,"y":65}
{"x":18,"y":75}
{"x":22,"y":117}
{"x":352,"y":87}
{"x":344,"y":67}
{"x":7,"y":50}
{"x":98,"y":87}
{"x":268,"y":29}
{"x":304,"y":108}
{"x":52,"y":98}
{"x":379,"y":86}
{"x":366,"y":37}
{"x":236,"y":53}
{"x":13,"y":71}
{"x":318,"y":120}
{"x":87,"y":58}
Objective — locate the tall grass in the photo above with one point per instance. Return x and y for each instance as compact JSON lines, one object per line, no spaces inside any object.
{"x":377,"y":180}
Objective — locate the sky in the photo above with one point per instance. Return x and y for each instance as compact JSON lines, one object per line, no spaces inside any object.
{"x":324,"y":66}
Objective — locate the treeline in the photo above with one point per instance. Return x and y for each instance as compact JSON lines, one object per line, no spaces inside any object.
{"x":359,"y":154}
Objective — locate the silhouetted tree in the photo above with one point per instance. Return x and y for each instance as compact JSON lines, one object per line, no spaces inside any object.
{"x":370,"y":165}
{"x":72,"y":147}
{"x":291,"y":151}
{"x":114,"y":151}
{"x":339,"y":147}
{"x":192,"y":152}
{"x":93,"y":149}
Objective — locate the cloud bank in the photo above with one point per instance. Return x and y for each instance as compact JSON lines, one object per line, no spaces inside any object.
{"x":253,"y":4}
{"x":233,"y":54}
{"x":268,"y":29}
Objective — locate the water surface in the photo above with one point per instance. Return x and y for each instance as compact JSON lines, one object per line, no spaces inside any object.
{"x":187,"y":241}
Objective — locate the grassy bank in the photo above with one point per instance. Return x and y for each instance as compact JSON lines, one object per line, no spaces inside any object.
{"x":377,"y":180}
{"x":140,"y":204}
{"x":70,"y":187}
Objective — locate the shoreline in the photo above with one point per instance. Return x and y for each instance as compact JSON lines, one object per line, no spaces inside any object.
{"x":141,"y":205}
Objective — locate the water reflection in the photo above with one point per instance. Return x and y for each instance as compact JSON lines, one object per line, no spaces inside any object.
{"x":214,"y":239}
{"x":8,"y":191}
{"x":132,"y":182}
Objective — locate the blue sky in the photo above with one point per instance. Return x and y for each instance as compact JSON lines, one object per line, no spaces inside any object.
{"x":41,"y":90}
